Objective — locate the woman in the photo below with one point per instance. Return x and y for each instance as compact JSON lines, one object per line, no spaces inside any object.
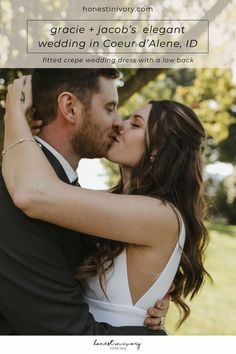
{"x":152,"y":230}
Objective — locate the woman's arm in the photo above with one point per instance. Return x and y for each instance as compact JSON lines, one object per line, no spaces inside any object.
{"x":35,"y":188}
{"x":21,"y":164}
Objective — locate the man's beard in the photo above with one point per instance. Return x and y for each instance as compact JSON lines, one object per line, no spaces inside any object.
{"x":89,"y":140}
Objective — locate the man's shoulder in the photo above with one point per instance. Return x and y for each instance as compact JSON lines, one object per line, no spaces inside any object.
{"x":11,"y":218}
{"x":4,"y":195}
{"x":14,"y":223}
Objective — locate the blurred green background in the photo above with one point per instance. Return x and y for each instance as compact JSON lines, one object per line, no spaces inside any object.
{"x":213,"y":312}
{"x":212,"y":95}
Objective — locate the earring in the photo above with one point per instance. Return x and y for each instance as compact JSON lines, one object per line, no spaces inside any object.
{"x":152,"y":158}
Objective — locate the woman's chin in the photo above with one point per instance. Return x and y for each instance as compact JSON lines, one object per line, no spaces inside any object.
{"x":111,"y":155}
{"x":111,"y":158}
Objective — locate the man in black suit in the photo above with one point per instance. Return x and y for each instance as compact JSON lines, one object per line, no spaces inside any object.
{"x":38,"y":292}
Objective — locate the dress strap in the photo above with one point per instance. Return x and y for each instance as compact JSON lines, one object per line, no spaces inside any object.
{"x":161,"y":286}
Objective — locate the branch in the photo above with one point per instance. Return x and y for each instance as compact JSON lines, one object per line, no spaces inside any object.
{"x":141,"y":78}
{"x":144,"y":76}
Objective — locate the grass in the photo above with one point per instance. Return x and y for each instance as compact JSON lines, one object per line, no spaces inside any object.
{"x":213,"y":312}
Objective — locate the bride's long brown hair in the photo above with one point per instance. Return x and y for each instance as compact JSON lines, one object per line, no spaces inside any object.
{"x":175,"y":176}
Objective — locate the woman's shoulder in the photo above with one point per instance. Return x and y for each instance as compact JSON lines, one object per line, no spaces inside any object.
{"x":167,"y":219}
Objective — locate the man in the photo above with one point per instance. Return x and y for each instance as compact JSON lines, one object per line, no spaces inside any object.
{"x":38,"y":292}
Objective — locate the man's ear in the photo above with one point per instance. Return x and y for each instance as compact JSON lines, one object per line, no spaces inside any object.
{"x":69,"y":106}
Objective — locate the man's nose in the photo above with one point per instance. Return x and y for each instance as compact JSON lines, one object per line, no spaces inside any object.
{"x":118,"y":125}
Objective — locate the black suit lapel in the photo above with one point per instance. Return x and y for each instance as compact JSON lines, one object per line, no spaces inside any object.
{"x":56,"y":165}
{"x":72,"y":244}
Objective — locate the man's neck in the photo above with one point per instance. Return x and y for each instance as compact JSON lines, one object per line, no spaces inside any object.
{"x":63,"y":147}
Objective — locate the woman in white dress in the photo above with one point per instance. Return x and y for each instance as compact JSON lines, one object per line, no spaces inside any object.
{"x":147,"y":233}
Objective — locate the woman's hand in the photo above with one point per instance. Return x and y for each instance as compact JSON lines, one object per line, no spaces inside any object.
{"x":35,"y":126}
{"x":19,"y":97}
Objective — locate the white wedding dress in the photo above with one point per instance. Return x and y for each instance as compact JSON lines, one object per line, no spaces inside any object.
{"x":116,"y":308}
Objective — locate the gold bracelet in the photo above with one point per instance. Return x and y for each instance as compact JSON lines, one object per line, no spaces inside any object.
{"x":13,"y":145}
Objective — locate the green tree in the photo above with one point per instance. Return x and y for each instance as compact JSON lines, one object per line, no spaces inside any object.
{"x":227,"y":147}
{"x":212,"y":96}
{"x":224,"y":199}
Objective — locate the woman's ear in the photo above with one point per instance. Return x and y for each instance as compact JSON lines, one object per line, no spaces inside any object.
{"x":153,"y":155}
{"x":69,"y":106}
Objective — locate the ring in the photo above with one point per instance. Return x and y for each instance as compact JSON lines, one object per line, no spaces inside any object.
{"x":22,"y":99}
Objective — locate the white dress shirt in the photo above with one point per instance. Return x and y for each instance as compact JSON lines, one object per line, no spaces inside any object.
{"x":70,"y":172}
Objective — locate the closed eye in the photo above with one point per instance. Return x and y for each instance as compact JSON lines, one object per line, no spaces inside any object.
{"x":135,"y":125}
{"x":111,"y":107}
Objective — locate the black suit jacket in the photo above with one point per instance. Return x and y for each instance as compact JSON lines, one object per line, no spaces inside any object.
{"x":38,"y":294}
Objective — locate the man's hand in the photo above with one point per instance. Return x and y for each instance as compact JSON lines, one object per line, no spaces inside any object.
{"x":155,"y":319}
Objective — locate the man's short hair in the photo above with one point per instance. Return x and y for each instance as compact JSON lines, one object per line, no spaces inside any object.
{"x":48,"y":84}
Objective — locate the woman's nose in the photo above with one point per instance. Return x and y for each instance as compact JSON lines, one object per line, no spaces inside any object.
{"x":126,"y":124}
{"x":118,"y":125}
